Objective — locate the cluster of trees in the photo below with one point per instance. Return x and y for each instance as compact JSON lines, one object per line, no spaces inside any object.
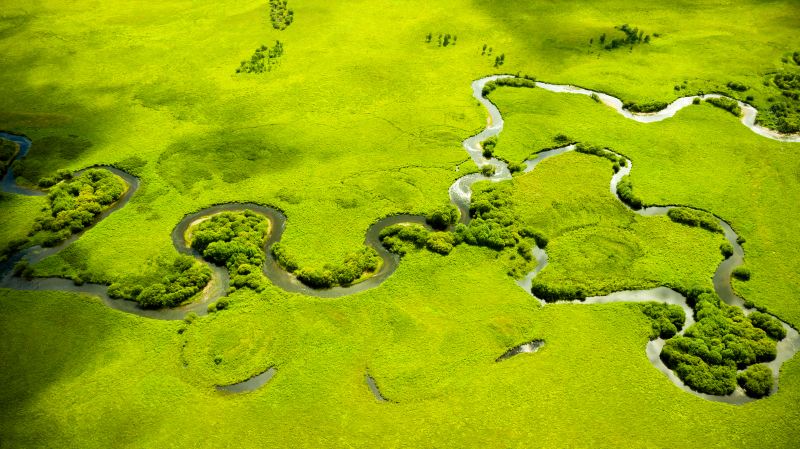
{"x":742,"y":273}
{"x":653,"y":106}
{"x":695,"y":218}
{"x":518,"y":81}
{"x":626,"y":194}
{"x":500,"y":60}
{"x":8,"y":150}
{"x":633,"y":36}
{"x":262,"y":60}
{"x":561,"y":292}
{"x":353,"y":267}
{"x":442,"y":217}
{"x":594,"y":150}
{"x":443,"y":40}
{"x":235,"y":240}
{"x":75,"y":203}
{"x":787,"y":117}
{"x":401,"y":239}
{"x":726,"y":249}
{"x":493,"y":226}
{"x":667,"y":319}
{"x":727,"y":104}
{"x":721,"y":341}
{"x":280,"y":14}
{"x":739,"y":87}
{"x":187,"y":278}
{"x":488,"y":146}
{"x":756,"y":380}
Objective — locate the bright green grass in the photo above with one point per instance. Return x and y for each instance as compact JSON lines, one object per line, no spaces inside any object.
{"x":101,"y":378}
{"x":703,"y":157}
{"x":19,"y":213}
{"x":360,"y":120}
{"x":597,"y":242}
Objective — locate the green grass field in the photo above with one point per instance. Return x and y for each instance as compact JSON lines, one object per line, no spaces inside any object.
{"x":361,"y":118}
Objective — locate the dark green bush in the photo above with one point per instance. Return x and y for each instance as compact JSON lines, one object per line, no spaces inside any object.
{"x":653,"y":106}
{"x":626,"y":194}
{"x":727,"y":104}
{"x":186,"y":278}
{"x":553,"y":293}
{"x":768,"y":324}
{"x":757,"y":380}
{"x":694,"y":217}
{"x":280,"y":15}
{"x":350,"y":270}
{"x":220,"y":304}
{"x":488,"y":146}
{"x":721,"y":341}
{"x":741,"y":273}
{"x":75,"y":203}
{"x":440,"y":242}
{"x":538,"y":237}
{"x":262,"y":60}
{"x":516,"y":167}
{"x":726,"y":249}
{"x":442,"y":217}
{"x":667,"y":319}
{"x":488,"y":170}
{"x":235,"y":240}
{"x":737,"y":86}
{"x":283,"y":258}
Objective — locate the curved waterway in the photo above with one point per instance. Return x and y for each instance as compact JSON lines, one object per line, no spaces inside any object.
{"x":460,"y":195}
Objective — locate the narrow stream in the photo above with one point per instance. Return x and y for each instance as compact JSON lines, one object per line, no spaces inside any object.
{"x":460,"y":195}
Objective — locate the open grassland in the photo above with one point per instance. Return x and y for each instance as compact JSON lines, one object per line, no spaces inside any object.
{"x":360,"y":118}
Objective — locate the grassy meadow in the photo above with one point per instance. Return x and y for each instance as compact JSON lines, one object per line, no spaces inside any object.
{"x":358,"y":119}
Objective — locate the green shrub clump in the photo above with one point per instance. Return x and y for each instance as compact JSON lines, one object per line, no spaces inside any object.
{"x":350,"y":270}
{"x":726,"y":249}
{"x":280,"y":15}
{"x":518,"y":81}
{"x":756,"y":380}
{"x":402,"y":238}
{"x":653,"y":106}
{"x":74,"y":204}
{"x":768,"y":324}
{"x":633,"y":37}
{"x":488,"y":170}
{"x":187,"y":277}
{"x":626,"y":194}
{"x":721,"y":341}
{"x":739,"y":87}
{"x":742,"y":273}
{"x":442,"y":217}
{"x":695,"y":218}
{"x":262,"y":60}
{"x":488,"y":146}
{"x":667,"y":319}
{"x":727,"y":104}
{"x":235,"y":240}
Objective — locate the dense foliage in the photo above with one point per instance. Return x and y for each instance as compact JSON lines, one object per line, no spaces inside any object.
{"x":742,"y":273}
{"x":518,"y":81}
{"x":667,"y":319}
{"x":186,"y":278}
{"x":727,"y":104}
{"x":280,"y":14}
{"x":263,"y":59}
{"x":706,"y":357}
{"x":756,"y":380}
{"x":653,"y":106}
{"x":353,"y":267}
{"x":401,"y":238}
{"x":626,"y":194}
{"x":694,"y":217}
{"x":75,"y":203}
{"x":633,"y":36}
{"x":235,"y":240}
{"x":442,"y":217}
